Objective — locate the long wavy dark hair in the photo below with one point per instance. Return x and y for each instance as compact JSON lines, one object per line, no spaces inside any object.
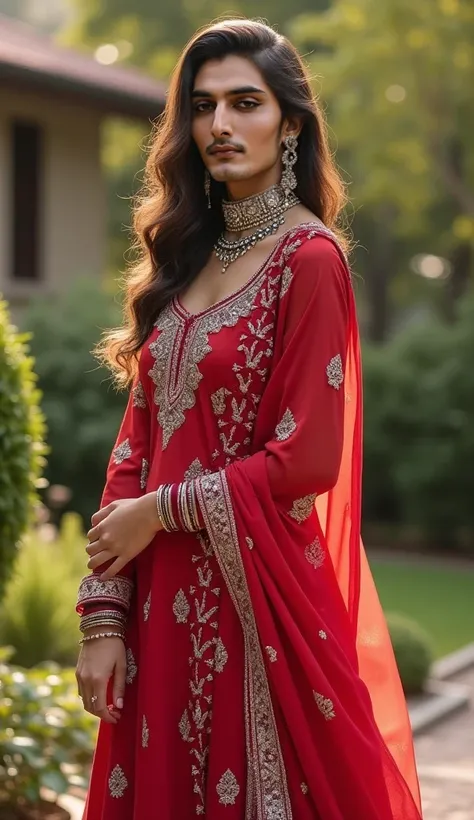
{"x":174,"y":230}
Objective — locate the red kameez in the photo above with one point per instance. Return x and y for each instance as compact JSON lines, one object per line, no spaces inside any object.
{"x":261,"y":684}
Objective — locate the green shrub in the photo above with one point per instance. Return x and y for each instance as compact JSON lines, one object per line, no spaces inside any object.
{"x":38,"y":615}
{"x":46,"y":737}
{"x":21,"y":441}
{"x":413,"y":652}
{"x":419,"y":436}
{"x":82,"y":409}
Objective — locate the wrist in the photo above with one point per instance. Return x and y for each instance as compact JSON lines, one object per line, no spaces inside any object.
{"x":151,"y":512}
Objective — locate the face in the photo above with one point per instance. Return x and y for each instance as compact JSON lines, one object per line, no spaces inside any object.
{"x":237,"y":125}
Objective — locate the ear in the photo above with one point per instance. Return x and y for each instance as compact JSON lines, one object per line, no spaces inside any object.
{"x":291,"y":127}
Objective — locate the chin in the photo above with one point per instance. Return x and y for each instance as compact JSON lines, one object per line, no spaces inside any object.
{"x":227,"y":173}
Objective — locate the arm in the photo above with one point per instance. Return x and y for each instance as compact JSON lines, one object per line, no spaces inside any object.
{"x":107,"y":602}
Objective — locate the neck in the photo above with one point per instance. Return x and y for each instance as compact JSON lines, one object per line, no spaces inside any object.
{"x":243,"y":188}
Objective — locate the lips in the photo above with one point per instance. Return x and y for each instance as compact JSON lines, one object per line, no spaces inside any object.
{"x":223,"y":150}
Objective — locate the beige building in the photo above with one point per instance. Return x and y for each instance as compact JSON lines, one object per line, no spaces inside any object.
{"x":52,"y":192}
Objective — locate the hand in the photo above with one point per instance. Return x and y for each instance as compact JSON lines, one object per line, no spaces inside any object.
{"x":98,"y":662}
{"x":121,"y":531}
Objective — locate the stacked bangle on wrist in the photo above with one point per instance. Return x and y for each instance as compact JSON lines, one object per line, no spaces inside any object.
{"x":109,"y":617}
{"x":177,"y":507}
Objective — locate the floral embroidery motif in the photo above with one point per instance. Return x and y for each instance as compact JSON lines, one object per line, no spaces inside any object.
{"x":194,"y":470}
{"x":117,"y":782}
{"x":220,"y":656}
{"x":268,"y":768}
{"x":302,"y":508}
{"x":272,"y":653}
{"x":122,"y":451}
{"x":314,"y":553}
{"x":286,"y":427}
{"x":250,"y":543}
{"x":145,"y":733}
{"x":286,"y":278}
{"x":131,"y":667}
{"x":208,"y":658}
{"x":117,"y":590}
{"x":179,"y":349}
{"x":219,"y":400}
{"x":325,"y":706}
{"x":334,"y":372}
{"x":139,"y":398}
{"x":304,"y":788}
{"x":322,"y":634}
{"x":144,"y":473}
{"x":181,"y":607}
{"x":146,"y":607}
{"x":228,"y":789}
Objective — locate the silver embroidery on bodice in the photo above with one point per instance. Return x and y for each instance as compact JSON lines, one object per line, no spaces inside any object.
{"x":180,"y":347}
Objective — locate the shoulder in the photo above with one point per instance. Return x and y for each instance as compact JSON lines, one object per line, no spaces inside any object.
{"x":315,"y":259}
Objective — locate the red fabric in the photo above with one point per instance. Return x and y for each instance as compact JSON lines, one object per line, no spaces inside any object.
{"x":258,"y":652}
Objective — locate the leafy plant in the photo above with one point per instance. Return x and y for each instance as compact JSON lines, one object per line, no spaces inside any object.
{"x":83,"y":411}
{"x":38,"y":615}
{"x":46,"y":737}
{"x":22,"y":449}
{"x":413,"y":653}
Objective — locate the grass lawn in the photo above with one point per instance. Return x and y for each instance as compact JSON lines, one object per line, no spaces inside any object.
{"x":441,"y":599}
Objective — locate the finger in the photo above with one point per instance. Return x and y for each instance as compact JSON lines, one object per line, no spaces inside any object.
{"x":101,"y":558}
{"x":94,"y":547}
{"x":101,"y":514}
{"x":114,"y":568}
{"x":118,"y":691}
{"x":94,"y":533}
{"x":100,"y":705}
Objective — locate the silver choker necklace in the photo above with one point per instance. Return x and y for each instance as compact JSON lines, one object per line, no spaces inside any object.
{"x":265,"y":212}
{"x":257,"y":210}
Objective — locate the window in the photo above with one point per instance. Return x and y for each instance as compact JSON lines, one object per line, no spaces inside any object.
{"x":27,"y":158}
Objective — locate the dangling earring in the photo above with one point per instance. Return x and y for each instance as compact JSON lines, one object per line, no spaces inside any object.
{"x":288,"y":178}
{"x":207,"y":188}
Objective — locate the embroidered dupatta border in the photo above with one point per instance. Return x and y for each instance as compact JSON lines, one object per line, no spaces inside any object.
{"x":267,"y":788}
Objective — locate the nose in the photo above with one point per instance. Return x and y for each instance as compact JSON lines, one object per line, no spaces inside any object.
{"x":221,"y":126}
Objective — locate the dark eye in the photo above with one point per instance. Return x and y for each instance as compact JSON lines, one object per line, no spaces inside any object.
{"x":202,"y":106}
{"x":247,"y":104}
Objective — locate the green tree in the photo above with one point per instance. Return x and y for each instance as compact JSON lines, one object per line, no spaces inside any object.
{"x":397,"y":80}
{"x":21,"y":441}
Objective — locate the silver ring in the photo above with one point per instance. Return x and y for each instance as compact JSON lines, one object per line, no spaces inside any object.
{"x":94,"y":698}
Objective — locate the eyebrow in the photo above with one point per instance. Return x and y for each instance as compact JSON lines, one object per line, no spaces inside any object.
{"x":245,"y":89}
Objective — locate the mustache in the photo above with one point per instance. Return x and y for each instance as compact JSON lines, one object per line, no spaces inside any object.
{"x":224,"y":144}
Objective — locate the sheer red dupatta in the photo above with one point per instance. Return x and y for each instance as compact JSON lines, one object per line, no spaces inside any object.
{"x":311,"y":619}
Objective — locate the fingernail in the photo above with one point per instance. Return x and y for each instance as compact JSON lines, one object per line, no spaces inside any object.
{"x":119,"y":703}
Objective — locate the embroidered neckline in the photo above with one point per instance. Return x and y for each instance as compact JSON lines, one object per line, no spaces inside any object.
{"x":182,"y":312}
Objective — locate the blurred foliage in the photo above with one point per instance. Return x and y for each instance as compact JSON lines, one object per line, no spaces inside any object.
{"x":21,"y":440}
{"x":38,"y":615}
{"x":155,"y":31}
{"x":413,"y":653}
{"x":46,"y":737}
{"x":82,"y":408}
{"x":396,"y":79}
{"x":419,"y":436}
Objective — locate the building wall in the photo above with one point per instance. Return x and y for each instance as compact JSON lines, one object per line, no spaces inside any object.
{"x":73,"y":214}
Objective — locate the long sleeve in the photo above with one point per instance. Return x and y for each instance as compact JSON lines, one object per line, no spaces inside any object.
{"x":303,"y":457}
{"x":127,"y":475}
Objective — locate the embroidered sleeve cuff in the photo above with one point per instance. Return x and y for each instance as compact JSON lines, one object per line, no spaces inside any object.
{"x":115,"y":592}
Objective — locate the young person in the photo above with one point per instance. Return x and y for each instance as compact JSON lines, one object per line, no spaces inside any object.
{"x":234,"y":646}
